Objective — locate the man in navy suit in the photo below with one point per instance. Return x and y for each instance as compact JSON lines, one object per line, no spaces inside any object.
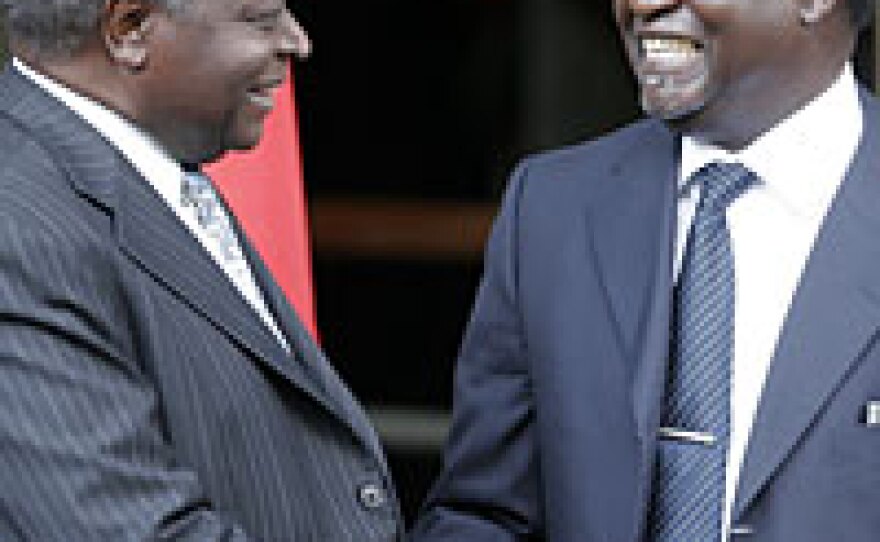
{"x":154,"y":382}
{"x":570,"y":376}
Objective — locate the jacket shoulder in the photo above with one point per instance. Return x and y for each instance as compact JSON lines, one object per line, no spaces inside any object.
{"x":576,"y":174}
{"x":23,"y":150}
{"x":36,"y":191}
{"x":601,"y":152}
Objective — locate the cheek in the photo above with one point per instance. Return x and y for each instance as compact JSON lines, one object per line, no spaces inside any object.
{"x":238,"y":68}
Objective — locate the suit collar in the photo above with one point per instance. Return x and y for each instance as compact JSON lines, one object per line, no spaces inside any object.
{"x":834,"y":314}
{"x":155,"y":240}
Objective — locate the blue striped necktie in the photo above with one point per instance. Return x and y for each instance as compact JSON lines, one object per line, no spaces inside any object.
{"x":689,"y":481}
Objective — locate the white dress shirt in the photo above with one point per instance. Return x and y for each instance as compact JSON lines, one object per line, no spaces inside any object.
{"x":162,"y":173}
{"x":801,"y":163}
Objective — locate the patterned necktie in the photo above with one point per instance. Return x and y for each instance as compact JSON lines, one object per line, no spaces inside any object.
{"x":198,"y":197}
{"x":197,"y":194}
{"x":689,"y":483}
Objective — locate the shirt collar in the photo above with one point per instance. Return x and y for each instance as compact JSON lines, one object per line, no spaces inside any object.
{"x":803,"y":157}
{"x":147,"y":156}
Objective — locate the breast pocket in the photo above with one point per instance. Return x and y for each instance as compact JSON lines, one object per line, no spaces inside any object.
{"x":856,"y":446}
{"x":855,"y":463}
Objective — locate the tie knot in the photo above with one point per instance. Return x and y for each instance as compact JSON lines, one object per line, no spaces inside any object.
{"x":196,"y":179}
{"x":195,"y":186}
{"x":723,"y":182}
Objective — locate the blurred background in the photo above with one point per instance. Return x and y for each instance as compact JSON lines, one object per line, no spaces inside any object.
{"x":412,"y":114}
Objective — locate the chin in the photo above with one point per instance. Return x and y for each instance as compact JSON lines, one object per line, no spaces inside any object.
{"x":677,"y":100}
{"x":245,"y":140}
{"x":221,"y":148}
{"x":211,"y":157}
{"x":679,"y":116}
{"x":674,"y":107}
{"x":684,"y":112}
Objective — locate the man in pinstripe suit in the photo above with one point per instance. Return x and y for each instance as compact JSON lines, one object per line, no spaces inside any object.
{"x":154,"y":382}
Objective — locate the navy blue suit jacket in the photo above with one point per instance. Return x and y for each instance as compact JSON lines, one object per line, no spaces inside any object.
{"x":560,"y":377}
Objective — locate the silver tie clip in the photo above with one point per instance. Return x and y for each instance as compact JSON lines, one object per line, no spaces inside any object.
{"x":741,"y":530}
{"x":697,"y":437}
{"x":872,"y":414}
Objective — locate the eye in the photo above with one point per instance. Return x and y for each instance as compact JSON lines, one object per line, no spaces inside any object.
{"x":266,"y":21}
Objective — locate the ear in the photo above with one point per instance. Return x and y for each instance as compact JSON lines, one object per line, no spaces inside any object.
{"x":125,"y":29}
{"x":813,"y":11}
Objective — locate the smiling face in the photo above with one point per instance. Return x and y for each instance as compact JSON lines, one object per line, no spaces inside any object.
{"x":729,"y":69}
{"x":210,"y":73}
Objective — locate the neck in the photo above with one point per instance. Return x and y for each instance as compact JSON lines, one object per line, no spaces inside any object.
{"x":740,"y":125}
{"x":104,"y":83}
{"x":750,"y":111}
{"x":87,"y":75}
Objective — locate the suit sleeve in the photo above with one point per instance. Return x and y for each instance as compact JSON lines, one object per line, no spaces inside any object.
{"x":488,"y":491}
{"x":83,"y":455}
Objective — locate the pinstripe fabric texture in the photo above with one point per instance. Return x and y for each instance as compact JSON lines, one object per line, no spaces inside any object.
{"x":141,"y":398}
{"x":689,"y":488}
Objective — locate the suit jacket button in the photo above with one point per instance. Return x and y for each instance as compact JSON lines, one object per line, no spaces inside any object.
{"x":371,"y":496}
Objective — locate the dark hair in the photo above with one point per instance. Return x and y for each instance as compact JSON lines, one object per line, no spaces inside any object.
{"x":861,"y":12}
{"x":59,"y":27}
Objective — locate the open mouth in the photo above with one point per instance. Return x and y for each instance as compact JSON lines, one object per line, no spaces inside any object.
{"x":263,"y":95}
{"x":669,"y":51}
{"x":673,"y":71}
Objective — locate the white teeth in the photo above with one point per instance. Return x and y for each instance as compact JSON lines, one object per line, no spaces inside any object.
{"x":261,"y":100}
{"x":669,"y":50}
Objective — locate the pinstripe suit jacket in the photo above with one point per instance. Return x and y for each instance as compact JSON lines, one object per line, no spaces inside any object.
{"x":140,"y":397}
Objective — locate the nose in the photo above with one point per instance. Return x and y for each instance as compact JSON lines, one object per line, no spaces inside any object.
{"x":294,"y":39}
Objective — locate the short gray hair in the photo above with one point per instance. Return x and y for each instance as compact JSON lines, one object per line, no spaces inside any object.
{"x":53,"y":28}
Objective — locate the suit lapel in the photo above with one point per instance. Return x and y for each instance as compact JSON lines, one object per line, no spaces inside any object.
{"x":631,"y":223}
{"x":150,"y":234}
{"x":307,"y":353}
{"x":632,"y":227}
{"x":834,"y":314}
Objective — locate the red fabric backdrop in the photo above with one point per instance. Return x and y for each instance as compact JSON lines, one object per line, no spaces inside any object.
{"x":265,"y":190}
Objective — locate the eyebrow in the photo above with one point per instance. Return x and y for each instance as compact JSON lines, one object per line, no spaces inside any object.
{"x":262,"y":11}
{"x":273,"y":12}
